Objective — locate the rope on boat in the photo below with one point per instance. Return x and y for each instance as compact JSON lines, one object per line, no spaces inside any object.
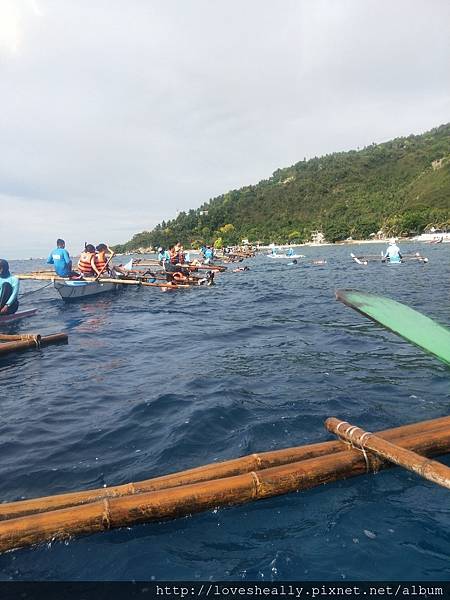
{"x":38,"y":290}
{"x":360,"y":446}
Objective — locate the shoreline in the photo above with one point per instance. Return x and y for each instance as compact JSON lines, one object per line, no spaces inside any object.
{"x":280,"y":246}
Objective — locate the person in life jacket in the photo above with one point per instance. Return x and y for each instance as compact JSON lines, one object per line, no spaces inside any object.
{"x":102,"y":260}
{"x":86,"y":263}
{"x":393,"y":252}
{"x":181,"y":254}
{"x":9,"y":290}
{"x":171,"y":264}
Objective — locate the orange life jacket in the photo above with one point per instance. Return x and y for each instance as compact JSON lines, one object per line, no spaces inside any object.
{"x":101,"y":261}
{"x":84,"y":264}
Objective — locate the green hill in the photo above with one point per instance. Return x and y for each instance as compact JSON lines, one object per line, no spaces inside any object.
{"x":401,"y":187}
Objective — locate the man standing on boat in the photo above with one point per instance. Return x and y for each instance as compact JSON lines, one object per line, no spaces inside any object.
{"x":9,"y":290}
{"x":59,"y":257}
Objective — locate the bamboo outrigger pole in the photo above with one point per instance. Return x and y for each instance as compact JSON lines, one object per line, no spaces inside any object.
{"x":365,"y":440}
{"x":51,"y":277}
{"x":245,"y":464}
{"x":33,"y":341}
{"x":186,"y":499}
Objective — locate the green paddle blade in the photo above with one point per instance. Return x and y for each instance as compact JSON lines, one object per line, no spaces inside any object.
{"x":402,"y":320}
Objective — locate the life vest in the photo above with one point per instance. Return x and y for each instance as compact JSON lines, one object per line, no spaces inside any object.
{"x":174,"y":258}
{"x":100,"y":261}
{"x":181,"y":258}
{"x":179,"y":277}
{"x":84,"y":264}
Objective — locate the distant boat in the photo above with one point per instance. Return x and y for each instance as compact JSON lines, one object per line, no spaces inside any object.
{"x":435,"y":237}
{"x":76,"y":290}
{"x":286,"y":255}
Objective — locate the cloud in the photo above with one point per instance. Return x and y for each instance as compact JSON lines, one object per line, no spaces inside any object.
{"x":139,"y":109}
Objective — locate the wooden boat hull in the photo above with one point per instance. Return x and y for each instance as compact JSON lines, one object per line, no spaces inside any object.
{"x":71,"y":291}
{"x":17,"y":316}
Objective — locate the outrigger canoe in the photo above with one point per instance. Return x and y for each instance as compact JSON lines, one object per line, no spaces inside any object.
{"x":364,"y":260}
{"x":17,"y":316}
{"x":75,"y":290}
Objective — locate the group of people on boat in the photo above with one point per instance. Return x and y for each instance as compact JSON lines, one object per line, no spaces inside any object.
{"x":173,"y":258}
{"x":176,"y":256}
{"x":177,"y":262}
{"x":94,"y":261}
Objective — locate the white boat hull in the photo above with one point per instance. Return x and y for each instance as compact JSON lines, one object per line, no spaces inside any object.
{"x":76,"y":290}
{"x":286,"y":256}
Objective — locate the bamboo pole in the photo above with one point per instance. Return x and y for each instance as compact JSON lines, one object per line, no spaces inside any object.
{"x":33,"y":342}
{"x":51,"y":277}
{"x":365,"y":440}
{"x":184,"y":500}
{"x":54,"y":338}
{"x":18,"y":337}
{"x":245,"y":464}
{"x":154,"y":263}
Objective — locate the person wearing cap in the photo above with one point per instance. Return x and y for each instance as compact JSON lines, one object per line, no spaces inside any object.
{"x":9,"y":290}
{"x":60,"y":259}
{"x":393,"y":252}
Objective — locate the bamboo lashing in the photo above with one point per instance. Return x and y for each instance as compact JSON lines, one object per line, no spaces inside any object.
{"x":365,"y":440}
{"x":186,"y":499}
{"x":208,"y":472}
{"x":34,"y":341}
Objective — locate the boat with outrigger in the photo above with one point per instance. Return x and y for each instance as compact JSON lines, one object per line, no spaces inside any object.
{"x":365,"y":259}
{"x":353,"y":452}
{"x":78,"y":288}
{"x":289,"y":254}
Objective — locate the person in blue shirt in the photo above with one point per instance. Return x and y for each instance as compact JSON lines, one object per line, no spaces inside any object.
{"x":163,"y":256}
{"x":59,"y":257}
{"x":9,"y":290}
{"x":393,"y":252}
{"x":209,"y":255}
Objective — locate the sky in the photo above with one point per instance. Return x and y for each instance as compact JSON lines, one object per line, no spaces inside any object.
{"x":117,"y":114}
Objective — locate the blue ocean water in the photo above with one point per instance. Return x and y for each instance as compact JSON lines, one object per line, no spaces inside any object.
{"x":153,"y":383}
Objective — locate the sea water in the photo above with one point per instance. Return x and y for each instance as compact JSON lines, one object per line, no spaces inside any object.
{"x":152,"y":383}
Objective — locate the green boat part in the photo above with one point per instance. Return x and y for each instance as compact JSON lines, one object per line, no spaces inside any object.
{"x":406,"y":322}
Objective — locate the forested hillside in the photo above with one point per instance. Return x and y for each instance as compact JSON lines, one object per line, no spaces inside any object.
{"x":401,"y":187}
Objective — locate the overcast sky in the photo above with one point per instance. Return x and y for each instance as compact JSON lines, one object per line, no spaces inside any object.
{"x":116,"y":114}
